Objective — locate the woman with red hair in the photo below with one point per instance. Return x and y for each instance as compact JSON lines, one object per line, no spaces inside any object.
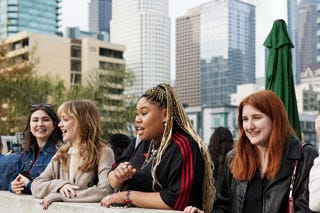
{"x":259,"y":173}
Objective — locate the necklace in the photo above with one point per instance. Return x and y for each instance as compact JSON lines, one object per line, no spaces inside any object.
{"x":152,"y":152}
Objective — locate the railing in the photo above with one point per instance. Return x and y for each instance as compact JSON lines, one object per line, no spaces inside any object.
{"x":12,"y":203}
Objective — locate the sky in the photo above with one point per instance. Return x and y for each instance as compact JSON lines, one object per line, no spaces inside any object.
{"x":266,"y":12}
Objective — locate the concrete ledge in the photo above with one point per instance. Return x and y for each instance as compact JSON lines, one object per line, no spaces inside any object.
{"x":12,"y":203}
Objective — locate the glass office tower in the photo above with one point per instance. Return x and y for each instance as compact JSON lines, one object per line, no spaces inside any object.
{"x":292,"y":7}
{"x":227,"y":51}
{"x":308,"y":33}
{"x":29,"y":15}
{"x":100,"y":13}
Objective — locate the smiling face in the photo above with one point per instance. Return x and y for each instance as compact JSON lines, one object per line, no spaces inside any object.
{"x":150,"y":120}
{"x":41,"y":126}
{"x":68,"y":128}
{"x":256,"y":125}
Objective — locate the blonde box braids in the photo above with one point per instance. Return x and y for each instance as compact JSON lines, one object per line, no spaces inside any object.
{"x":165,"y":96}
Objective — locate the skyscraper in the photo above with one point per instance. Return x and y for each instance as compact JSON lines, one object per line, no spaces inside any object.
{"x":100,"y":13}
{"x":292,"y":6}
{"x":308,"y":27}
{"x":144,"y":27}
{"x":226,"y":55}
{"x":30,"y":15}
{"x":188,"y":57}
{"x":227,"y":49}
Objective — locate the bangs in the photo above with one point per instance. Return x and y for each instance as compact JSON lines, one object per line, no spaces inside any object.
{"x":66,"y":108}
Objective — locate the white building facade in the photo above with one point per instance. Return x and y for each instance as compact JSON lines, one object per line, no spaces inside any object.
{"x":144,"y":28}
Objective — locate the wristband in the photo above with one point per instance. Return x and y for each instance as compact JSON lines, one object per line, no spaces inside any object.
{"x":127,"y":199}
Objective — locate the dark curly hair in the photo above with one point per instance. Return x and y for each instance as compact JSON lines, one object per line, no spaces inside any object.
{"x":119,"y":142}
{"x":221,"y":142}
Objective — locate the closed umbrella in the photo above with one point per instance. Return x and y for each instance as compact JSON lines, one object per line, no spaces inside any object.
{"x":279,"y":76}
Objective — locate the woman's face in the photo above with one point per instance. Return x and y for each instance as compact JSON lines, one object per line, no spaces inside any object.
{"x":150,"y":120}
{"x":256,"y":125}
{"x":41,"y":125}
{"x":68,"y":128}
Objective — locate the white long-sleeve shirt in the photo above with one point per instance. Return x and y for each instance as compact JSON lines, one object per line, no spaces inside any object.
{"x":314,"y":186}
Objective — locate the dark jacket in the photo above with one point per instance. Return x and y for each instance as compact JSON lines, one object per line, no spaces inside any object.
{"x":231,"y":198}
{"x":26,"y":162}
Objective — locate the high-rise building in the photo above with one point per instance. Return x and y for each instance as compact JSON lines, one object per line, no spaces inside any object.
{"x":30,"y":15}
{"x":100,"y":13}
{"x":308,"y":29}
{"x":292,"y":7}
{"x":227,"y":49}
{"x":188,"y":57}
{"x":226,"y":35}
{"x":144,"y":28}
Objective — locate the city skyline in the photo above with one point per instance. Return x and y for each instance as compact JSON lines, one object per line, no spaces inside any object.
{"x":267,"y":12}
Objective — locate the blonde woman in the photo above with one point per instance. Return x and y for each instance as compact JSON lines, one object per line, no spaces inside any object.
{"x":78,"y":172}
{"x":171,"y":167}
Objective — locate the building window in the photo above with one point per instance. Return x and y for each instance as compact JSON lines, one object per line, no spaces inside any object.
{"x":104,"y":65}
{"x":75,"y":78}
{"x":76,"y":51}
{"x":75,"y":65}
{"x":110,"y":53}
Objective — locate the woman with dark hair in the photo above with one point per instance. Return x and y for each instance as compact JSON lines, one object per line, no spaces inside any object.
{"x":78,"y":171}
{"x":171,"y":166}
{"x":41,"y":136}
{"x":119,"y":142}
{"x":221,"y":142}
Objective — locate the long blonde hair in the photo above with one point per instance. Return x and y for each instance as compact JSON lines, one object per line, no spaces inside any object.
{"x":88,"y":130}
{"x":164,"y":96}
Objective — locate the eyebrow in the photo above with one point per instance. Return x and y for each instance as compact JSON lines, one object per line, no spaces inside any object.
{"x":36,"y":117}
{"x":143,"y":107}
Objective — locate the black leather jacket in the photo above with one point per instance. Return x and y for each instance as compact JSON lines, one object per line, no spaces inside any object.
{"x":231,"y":198}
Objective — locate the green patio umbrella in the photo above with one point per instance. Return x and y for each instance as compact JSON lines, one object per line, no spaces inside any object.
{"x":279,"y":76}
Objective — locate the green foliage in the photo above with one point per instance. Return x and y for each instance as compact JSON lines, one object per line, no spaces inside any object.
{"x":20,"y":87}
{"x":116,"y":108}
{"x":17,"y":96}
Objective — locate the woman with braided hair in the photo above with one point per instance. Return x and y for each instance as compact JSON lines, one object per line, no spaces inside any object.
{"x":171,"y":167}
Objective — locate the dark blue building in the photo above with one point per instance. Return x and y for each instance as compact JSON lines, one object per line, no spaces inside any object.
{"x":29,"y":15}
{"x":100,"y":13}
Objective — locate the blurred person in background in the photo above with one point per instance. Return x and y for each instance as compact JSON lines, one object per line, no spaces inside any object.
{"x":221,"y":142}
{"x":7,"y":167}
{"x":119,"y":142}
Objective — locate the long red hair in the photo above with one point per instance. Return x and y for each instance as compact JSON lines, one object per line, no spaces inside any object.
{"x":246,"y":160}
